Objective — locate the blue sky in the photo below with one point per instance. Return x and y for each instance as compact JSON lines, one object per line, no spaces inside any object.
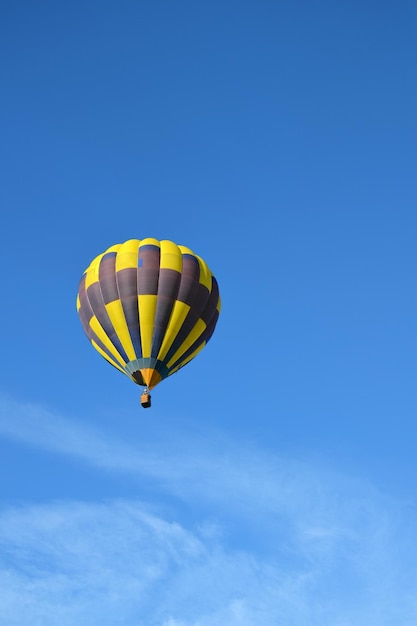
{"x":273,"y":480}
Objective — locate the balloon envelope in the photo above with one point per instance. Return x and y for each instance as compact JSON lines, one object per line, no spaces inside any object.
{"x":148,"y":307}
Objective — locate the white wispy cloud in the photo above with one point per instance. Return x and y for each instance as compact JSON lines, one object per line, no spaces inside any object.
{"x":116,"y":563}
{"x":271,"y":542}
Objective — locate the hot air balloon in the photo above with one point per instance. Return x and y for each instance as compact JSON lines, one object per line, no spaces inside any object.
{"x":148,"y":307}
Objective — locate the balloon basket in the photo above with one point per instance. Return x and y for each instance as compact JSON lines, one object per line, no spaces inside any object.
{"x":145,"y":399}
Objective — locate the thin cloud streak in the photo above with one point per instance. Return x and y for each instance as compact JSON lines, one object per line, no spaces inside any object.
{"x":213,"y":470}
{"x":236,"y":468}
{"x":243,"y":482}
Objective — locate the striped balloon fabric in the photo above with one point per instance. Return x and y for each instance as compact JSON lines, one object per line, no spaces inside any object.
{"x":148,"y":307}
